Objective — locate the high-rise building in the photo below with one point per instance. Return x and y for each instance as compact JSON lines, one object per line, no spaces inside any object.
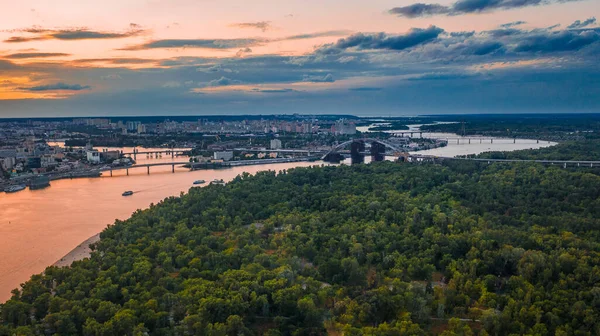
{"x":276,"y":144}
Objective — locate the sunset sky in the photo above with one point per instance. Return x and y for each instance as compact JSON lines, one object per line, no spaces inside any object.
{"x":378,"y":57}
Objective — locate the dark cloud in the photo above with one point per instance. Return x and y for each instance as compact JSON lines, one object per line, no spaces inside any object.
{"x":462,"y":34}
{"x":568,"y":40}
{"x":243,"y":52}
{"x":512,"y":24}
{"x":243,"y":43}
{"x":484,"y":48}
{"x":34,"y":55}
{"x":272,"y":90}
{"x":466,"y":6}
{"x":262,"y":25}
{"x":199,"y":43}
{"x":315,"y":35}
{"x":7,"y":65}
{"x":497,"y":33}
{"x":319,"y":79}
{"x":365,"y":89}
{"x":420,"y":10}
{"x":116,"y":60}
{"x":578,"y":24}
{"x":71,"y":34}
{"x":58,"y":87}
{"x":443,"y":76}
{"x":414,"y":37}
{"x":223,"y":81}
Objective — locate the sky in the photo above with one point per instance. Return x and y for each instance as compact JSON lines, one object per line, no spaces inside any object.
{"x":368,"y":58}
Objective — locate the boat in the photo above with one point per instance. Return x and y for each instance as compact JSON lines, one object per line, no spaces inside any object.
{"x":14,"y":188}
{"x":128,"y":193}
{"x":215,"y":181}
{"x":199,"y":182}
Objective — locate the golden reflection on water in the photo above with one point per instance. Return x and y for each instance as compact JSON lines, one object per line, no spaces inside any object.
{"x":39,"y":227}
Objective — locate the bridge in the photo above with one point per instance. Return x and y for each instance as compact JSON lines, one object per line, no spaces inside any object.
{"x":563,"y":163}
{"x":358,"y":147}
{"x":200,"y":165}
{"x":282,"y":151}
{"x":171,"y":152}
{"x":147,"y":166}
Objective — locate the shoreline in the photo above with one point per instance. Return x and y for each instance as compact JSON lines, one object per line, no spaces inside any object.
{"x":80,"y":252}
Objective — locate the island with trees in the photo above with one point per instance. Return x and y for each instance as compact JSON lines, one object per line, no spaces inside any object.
{"x":378,"y":249}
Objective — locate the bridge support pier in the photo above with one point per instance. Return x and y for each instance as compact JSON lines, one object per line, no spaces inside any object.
{"x":458,"y":141}
{"x":172,"y":168}
{"x":469,"y":141}
{"x":127,"y":170}
{"x":480,"y":140}
{"x":515,"y":140}
{"x":421,"y":135}
{"x":148,"y":170}
{"x":491,"y":140}
{"x":111,"y":173}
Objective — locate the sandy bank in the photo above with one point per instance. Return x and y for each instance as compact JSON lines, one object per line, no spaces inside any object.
{"x":81,"y":252}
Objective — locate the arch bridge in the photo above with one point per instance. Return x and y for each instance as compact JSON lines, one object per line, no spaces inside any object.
{"x":378,"y":147}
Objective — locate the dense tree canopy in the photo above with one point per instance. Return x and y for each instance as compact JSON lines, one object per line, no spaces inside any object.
{"x":380,"y":249}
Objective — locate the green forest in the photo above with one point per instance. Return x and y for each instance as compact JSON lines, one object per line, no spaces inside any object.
{"x":378,"y":249}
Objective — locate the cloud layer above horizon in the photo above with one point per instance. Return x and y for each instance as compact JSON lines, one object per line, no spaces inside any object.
{"x":476,"y":56}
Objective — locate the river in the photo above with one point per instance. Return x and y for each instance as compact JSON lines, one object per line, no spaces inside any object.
{"x":464,"y":145}
{"x":37,"y":228}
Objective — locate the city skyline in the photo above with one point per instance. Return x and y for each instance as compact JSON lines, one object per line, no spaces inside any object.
{"x":330,"y":57}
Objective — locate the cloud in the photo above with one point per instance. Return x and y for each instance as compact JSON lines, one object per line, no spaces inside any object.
{"x":466,"y":6}
{"x":71,"y":34}
{"x":243,"y":43}
{"x":199,"y":43}
{"x":116,"y":60}
{"x":319,"y":79}
{"x":243,"y":52}
{"x":578,"y":24}
{"x":512,"y":24}
{"x":58,"y":87}
{"x":35,"y":55}
{"x":262,"y":25}
{"x":366,"y":89}
{"x":111,"y":77}
{"x":214,"y":68}
{"x":420,"y":10}
{"x":272,"y":90}
{"x":413,"y":37}
{"x":568,"y":40}
{"x":442,"y":76}
{"x":328,"y":33}
{"x":223,"y":81}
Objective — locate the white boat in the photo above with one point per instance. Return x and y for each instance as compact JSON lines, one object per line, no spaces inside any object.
{"x":215,"y":181}
{"x":199,"y":182}
{"x":15,"y":188}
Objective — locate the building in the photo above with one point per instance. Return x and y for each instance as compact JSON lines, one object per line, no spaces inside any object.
{"x":8,"y":163}
{"x":276,"y":144}
{"x":109,"y":156}
{"x":93,"y":156}
{"x":344,"y":127}
{"x":225,"y":156}
{"x":133,"y":125}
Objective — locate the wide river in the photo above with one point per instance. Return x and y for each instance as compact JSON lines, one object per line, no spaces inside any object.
{"x":37,"y":228}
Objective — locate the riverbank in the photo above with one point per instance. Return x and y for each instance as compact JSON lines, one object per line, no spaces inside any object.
{"x":81,"y":252}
